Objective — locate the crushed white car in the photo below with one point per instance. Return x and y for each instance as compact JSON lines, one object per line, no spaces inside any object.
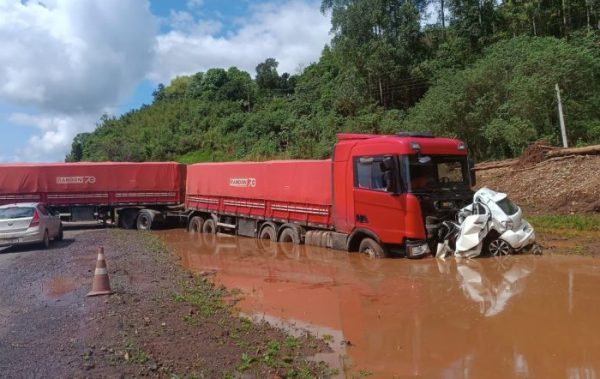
{"x":491,"y":224}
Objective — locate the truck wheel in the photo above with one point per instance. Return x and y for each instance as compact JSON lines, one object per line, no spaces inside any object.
{"x":209,"y":226}
{"x":127,"y":218}
{"x":371,"y":248}
{"x":498,"y":247}
{"x":196,"y":224}
{"x":290,"y":235}
{"x":144,"y":220}
{"x":268,"y":233}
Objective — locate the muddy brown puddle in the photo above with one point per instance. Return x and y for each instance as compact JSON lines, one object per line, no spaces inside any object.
{"x":516,"y":317}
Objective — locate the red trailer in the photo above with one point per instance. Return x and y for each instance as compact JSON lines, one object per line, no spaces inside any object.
{"x":139,"y":192}
{"x":378,"y":194}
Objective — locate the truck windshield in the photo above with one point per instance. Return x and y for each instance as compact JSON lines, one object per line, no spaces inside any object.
{"x":437,"y":173}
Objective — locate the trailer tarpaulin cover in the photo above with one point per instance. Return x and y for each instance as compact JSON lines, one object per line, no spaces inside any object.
{"x":301,"y":181}
{"x":103,"y":177}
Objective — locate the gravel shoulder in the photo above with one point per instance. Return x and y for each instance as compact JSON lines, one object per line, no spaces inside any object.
{"x":161,"y":321}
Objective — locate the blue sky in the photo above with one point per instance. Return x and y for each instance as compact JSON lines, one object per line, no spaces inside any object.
{"x":64,"y":63}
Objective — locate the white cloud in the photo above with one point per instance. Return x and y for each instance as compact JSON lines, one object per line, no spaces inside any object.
{"x":73,"y":59}
{"x":55,"y":137}
{"x":294,"y":33}
{"x":69,"y":61}
{"x":73,"y":55}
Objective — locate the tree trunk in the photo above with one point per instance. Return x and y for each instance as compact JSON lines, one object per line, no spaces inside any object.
{"x":564,"y":9}
{"x":381,"y":93}
{"x":443,"y":15}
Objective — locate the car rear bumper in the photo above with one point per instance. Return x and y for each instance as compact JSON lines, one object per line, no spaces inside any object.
{"x":520,"y":238}
{"x":30,"y":236}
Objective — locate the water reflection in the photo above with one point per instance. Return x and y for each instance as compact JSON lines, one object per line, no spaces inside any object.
{"x":491,"y":289}
{"x":521,"y":316}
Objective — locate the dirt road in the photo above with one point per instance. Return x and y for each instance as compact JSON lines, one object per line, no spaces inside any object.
{"x":161,"y":321}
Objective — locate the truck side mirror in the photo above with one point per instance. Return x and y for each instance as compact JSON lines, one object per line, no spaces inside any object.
{"x":471,"y":163}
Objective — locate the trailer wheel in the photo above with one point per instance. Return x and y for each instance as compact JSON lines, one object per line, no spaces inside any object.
{"x":290,"y":235}
{"x":371,"y":248}
{"x":209,"y":226}
{"x":128,"y":218}
{"x":195,"y":225}
{"x":144,"y":220}
{"x":268,"y":233}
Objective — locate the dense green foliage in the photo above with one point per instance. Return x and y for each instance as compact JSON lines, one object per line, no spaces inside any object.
{"x":485,"y":73}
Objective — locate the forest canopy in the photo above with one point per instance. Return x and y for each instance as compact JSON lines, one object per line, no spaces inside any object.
{"x":485,"y":72}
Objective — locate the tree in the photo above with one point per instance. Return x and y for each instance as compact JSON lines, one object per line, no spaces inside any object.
{"x":266,"y":75}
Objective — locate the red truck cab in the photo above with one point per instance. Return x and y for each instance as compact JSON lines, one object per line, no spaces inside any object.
{"x":389,"y":187}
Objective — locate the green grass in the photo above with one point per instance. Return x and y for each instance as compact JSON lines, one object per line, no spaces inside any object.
{"x":574,"y":222}
{"x":195,"y":157}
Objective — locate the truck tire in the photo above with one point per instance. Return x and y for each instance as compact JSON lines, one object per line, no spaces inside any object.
{"x":144,"y":220}
{"x":195,"y":225}
{"x":371,"y":248}
{"x":209,"y":226}
{"x":290,"y":235}
{"x":128,"y":218}
{"x":268,"y":233}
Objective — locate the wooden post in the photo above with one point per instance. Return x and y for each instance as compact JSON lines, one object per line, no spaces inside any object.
{"x":563,"y":130}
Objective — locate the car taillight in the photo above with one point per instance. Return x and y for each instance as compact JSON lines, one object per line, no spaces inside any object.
{"x":35,"y":221}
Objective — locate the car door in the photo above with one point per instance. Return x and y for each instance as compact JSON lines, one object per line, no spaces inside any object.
{"x":48,"y":221}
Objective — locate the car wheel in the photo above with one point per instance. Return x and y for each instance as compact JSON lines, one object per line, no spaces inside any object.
{"x":499,"y":247}
{"x":46,"y":240}
{"x":209,"y":226}
{"x":371,"y":248}
{"x":60,"y":235}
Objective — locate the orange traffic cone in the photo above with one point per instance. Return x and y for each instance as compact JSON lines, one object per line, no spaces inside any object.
{"x":101,"y":285}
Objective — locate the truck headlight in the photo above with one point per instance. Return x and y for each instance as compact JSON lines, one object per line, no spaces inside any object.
{"x":417,"y":249}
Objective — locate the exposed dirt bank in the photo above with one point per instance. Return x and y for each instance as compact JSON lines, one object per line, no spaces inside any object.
{"x":564,"y":185}
{"x":161,"y":322}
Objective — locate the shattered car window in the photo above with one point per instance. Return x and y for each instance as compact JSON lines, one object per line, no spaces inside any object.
{"x":507,"y":206}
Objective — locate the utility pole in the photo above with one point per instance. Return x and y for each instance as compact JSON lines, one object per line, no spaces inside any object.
{"x":563,"y":130}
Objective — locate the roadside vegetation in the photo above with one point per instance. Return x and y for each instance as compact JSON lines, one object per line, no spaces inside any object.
{"x":579,"y":222}
{"x":484,"y":73}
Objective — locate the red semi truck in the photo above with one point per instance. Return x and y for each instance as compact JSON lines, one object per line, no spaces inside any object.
{"x":377,"y":195}
{"x":139,"y":192}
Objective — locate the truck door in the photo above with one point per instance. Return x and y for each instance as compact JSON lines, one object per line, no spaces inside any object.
{"x":375,"y":208}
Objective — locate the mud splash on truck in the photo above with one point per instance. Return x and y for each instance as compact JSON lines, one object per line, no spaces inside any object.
{"x":514,"y":316}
